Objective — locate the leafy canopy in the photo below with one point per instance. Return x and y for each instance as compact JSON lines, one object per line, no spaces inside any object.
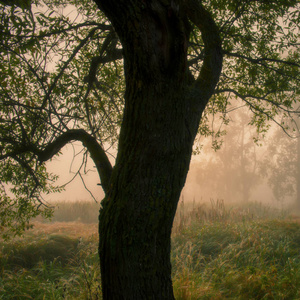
{"x":62,"y":79}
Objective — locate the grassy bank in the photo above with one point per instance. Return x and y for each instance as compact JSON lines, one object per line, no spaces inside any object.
{"x":218,"y":252}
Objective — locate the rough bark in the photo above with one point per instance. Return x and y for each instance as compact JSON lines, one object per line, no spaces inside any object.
{"x":163,"y":106}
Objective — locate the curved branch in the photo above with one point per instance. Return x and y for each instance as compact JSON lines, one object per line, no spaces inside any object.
{"x":97,"y":153}
{"x":112,"y":53}
{"x":212,"y":64}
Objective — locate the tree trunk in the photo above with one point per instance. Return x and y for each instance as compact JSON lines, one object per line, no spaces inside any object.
{"x":163,"y":107}
{"x":136,"y":220}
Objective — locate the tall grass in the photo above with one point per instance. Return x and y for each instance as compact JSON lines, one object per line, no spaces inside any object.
{"x":247,"y":252}
{"x":75,"y":211}
{"x":51,"y":262}
{"x":216,"y":211}
{"x":254,"y":260}
{"x":218,"y":252}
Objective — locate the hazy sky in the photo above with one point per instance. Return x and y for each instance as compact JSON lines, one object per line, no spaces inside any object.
{"x":66,"y":167}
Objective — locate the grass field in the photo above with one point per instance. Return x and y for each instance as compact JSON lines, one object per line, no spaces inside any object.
{"x":218,"y":252}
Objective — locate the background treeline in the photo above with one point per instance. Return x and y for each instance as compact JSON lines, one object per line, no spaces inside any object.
{"x":243,"y":166}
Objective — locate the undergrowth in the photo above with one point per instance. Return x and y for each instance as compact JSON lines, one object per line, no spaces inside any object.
{"x":55,"y":262}
{"x":218,"y":252}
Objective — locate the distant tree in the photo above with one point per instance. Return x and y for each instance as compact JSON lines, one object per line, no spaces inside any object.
{"x":232,"y":172}
{"x":281,"y":166}
{"x":151,"y":67}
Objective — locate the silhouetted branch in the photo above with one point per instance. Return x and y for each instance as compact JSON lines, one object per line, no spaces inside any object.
{"x":260,"y":60}
{"x":212,"y":63}
{"x":97,"y":153}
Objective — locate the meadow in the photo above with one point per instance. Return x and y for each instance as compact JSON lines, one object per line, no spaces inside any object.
{"x":218,"y":252}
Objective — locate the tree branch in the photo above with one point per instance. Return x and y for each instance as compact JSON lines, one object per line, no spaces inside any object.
{"x":97,"y":153}
{"x":261,"y":59}
{"x":257,"y":109}
{"x":212,"y":64}
{"x":263,"y":98}
{"x":43,"y":34}
{"x":65,"y":65}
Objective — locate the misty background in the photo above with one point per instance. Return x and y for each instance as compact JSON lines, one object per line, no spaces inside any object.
{"x":245,"y":168}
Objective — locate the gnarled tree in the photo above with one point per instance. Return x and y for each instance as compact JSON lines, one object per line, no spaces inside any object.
{"x":173,"y":52}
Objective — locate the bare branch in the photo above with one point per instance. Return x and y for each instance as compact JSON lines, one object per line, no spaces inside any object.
{"x":261,"y":59}
{"x":264,"y":98}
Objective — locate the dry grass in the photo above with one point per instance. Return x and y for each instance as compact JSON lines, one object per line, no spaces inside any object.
{"x":217,"y":211}
{"x":72,"y":229}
